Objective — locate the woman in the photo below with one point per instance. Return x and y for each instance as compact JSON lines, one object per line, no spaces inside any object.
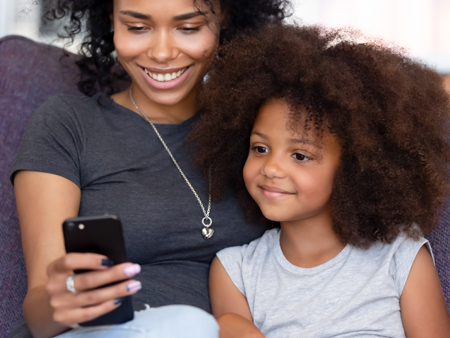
{"x":101,"y":154}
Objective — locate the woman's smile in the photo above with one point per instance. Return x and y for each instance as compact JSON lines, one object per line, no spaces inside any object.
{"x":166,"y":79}
{"x":166,"y":47}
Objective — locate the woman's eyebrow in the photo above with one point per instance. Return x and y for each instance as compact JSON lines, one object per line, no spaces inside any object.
{"x":188,"y":16}
{"x":180,"y":17}
{"x":136,"y":15}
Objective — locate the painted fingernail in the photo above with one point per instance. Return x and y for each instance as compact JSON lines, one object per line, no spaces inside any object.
{"x":132,"y":269}
{"x":118,"y":301}
{"x":107,"y":262}
{"x":135,"y":286}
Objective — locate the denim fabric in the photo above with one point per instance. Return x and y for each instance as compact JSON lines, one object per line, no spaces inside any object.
{"x":172,"y":321}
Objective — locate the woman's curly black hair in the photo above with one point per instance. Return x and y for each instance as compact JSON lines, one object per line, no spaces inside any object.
{"x":98,"y":46}
{"x":390,"y":113}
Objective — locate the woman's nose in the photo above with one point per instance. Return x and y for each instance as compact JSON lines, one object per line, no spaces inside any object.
{"x":162,"y":47}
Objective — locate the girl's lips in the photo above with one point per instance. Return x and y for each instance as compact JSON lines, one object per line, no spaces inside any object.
{"x":272,"y":192}
{"x":166,"y":85}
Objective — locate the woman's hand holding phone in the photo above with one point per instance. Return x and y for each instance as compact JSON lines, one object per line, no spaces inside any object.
{"x":89,"y":301}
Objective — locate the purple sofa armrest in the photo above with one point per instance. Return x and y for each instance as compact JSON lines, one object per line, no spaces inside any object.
{"x":29,"y":74}
{"x":440,"y":243}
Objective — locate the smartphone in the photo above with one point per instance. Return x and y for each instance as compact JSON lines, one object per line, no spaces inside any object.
{"x":102,"y":235}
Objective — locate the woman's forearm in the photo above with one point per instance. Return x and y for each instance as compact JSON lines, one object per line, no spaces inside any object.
{"x":39,"y":314}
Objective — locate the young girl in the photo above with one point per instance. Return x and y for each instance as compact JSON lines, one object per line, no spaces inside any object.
{"x":345,"y":145}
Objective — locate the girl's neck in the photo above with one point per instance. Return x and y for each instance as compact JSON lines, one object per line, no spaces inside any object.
{"x":156,"y":112}
{"x":310,"y":242}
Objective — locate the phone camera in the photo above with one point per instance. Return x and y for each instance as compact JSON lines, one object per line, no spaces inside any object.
{"x":81,"y":226}
{"x":71,"y":225}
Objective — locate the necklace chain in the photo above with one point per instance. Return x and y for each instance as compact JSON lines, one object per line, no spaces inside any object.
{"x":206,"y":221}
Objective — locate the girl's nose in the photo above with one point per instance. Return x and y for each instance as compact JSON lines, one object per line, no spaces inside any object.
{"x":162,"y":48}
{"x":272,"y":168}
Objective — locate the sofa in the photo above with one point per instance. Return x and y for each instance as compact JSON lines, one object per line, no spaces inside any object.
{"x":30,"y":73}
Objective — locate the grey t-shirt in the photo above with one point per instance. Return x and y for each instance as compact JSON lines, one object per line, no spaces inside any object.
{"x":355,"y":294}
{"x":121,"y":167}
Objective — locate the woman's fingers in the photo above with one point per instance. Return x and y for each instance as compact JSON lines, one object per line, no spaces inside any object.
{"x":71,"y":317}
{"x":92,"y":298}
{"x":92,"y":280}
{"x":97,"y":296}
{"x":79,"y":261}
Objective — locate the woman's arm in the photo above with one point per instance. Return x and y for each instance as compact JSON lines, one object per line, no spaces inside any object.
{"x":229,"y":305}
{"x":424,"y":312}
{"x":44,"y":201}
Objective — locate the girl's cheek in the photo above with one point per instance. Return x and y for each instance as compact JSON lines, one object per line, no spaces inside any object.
{"x":250,"y":172}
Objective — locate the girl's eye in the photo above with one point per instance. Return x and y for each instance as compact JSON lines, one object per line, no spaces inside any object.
{"x":134,"y":28}
{"x":301,"y":157}
{"x":260,"y":150}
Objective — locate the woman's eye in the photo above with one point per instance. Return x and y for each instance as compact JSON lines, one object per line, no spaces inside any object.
{"x":190,"y":29}
{"x":260,"y":150}
{"x":301,"y":157}
{"x":134,"y":28}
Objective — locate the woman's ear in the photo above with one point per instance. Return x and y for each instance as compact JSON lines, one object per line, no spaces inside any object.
{"x":224,"y":17}
{"x":111,"y":18}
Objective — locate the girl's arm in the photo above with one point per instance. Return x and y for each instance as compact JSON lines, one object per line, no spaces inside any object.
{"x":44,"y":201}
{"x":229,"y":305}
{"x":423,"y":308}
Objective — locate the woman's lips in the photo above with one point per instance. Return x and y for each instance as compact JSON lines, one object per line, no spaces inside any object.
{"x":273,"y":192}
{"x":167,"y":84}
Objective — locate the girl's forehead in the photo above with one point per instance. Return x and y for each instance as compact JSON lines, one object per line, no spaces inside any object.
{"x":278,"y":118}
{"x":277,"y":112}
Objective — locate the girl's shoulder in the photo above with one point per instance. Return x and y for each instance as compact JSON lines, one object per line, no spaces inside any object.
{"x":395,"y":258}
{"x":258,"y":246}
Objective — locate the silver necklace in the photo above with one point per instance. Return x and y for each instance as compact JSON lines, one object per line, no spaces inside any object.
{"x":207,"y":231}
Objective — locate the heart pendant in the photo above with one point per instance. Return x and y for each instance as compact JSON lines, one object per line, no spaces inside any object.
{"x":207,"y":233}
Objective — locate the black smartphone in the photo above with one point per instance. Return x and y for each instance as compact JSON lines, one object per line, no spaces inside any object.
{"x":102,"y":235}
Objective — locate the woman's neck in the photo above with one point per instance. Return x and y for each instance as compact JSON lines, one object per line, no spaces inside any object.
{"x":310,"y":242}
{"x":158,"y":113}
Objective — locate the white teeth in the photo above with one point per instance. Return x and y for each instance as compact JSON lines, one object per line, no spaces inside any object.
{"x":165,"y":77}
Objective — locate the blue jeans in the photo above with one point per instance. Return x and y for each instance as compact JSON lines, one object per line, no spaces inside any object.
{"x":180,"y":321}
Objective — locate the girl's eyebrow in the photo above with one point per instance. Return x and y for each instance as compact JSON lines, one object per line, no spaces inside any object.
{"x":304,"y":141}
{"x":292,"y":140}
{"x":180,"y":17}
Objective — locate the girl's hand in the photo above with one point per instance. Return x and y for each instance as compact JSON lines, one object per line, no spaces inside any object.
{"x":88,"y":302}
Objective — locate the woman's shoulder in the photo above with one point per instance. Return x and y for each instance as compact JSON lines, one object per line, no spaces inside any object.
{"x":63,"y":103}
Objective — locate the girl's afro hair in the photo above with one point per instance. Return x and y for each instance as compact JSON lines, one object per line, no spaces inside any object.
{"x":390,"y":113}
